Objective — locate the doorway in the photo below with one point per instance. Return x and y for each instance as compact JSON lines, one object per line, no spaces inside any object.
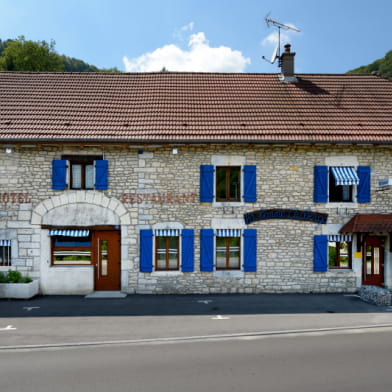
{"x":373,"y":262}
{"x":107,"y":260}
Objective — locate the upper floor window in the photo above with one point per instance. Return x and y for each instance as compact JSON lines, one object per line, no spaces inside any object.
{"x":80,"y":172}
{"x":341,"y":190}
{"x":228,"y":186}
{"x":228,"y":183}
{"x":342,"y":184}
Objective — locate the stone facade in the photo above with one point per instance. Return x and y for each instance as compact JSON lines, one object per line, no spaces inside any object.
{"x":158,"y":186}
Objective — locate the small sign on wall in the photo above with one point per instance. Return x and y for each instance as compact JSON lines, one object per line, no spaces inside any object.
{"x":358,"y":255}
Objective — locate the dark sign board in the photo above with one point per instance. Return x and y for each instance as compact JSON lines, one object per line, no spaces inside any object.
{"x":281,"y":213}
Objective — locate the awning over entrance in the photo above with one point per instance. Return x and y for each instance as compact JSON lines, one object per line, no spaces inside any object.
{"x":5,"y":242}
{"x":369,"y":223}
{"x":345,"y":176}
{"x":70,"y":233}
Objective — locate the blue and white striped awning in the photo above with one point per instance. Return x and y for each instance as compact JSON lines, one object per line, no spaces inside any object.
{"x":345,"y":175}
{"x":340,"y":238}
{"x":70,"y":233}
{"x":167,"y":233}
{"x":228,"y":232}
{"x":5,"y":242}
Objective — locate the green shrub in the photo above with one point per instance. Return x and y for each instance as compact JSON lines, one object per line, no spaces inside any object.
{"x":14,"y":277}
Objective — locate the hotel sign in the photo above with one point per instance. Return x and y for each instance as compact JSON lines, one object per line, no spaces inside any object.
{"x":281,"y":213}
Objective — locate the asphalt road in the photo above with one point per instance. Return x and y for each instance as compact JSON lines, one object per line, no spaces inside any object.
{"x":350,"y":360}
{"x":73,"y":320}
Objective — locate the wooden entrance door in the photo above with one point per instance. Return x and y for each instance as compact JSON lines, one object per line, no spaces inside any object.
{"x":107,"y":260}
{"x":373,"y":262}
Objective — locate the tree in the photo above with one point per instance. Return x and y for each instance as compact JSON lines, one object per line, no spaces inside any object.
{"x":22,"y":55}
{"x":381,"y":66}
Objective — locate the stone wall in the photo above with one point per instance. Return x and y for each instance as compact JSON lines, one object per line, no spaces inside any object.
{"x":165,"y":188}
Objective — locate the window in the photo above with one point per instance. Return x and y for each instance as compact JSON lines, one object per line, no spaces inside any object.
{"x":342,"y":184}
{"x":82,"y":175}
{"x":174,"y":250}
{"x":166,"y":253}
{"x":339,"y":254}
{"x":71,"y":247}
{"x":332,"y":252}
{"x":221,"y":249}
{"x":82,"y":172}
{"x":228,"y":253}
{"x":228,"y":183}
{"x":5,"y":252}
{"x":228,"y":187}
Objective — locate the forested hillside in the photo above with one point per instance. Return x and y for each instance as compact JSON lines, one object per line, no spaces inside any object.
{"x":25,"y":55}
{"x":382,"y":66}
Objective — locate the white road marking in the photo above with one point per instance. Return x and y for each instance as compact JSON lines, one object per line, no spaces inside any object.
{"x":30,"y":308}
{"x":219,"y":317}
{"x":8,"y":328}
{"x":204,"y":301}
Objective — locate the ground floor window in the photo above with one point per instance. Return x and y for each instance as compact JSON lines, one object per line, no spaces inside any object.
{"x":71,"y":247}
{"x":228,"y":253}
{"x":166,"y":253}
{"x":5,"y":252}
{"x":339,"y":254}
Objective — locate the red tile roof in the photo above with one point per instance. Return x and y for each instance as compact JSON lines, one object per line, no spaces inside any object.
{"x":163,"y":107}
{"x":369,"y":223}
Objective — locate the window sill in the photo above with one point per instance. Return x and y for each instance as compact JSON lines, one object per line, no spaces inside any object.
{"x":223,"y":204}
{"x":230,"y":274}
{"x":341,"y":205}
{"x":71,"y":266}
{"x":167,"y":273}
{"x":340,"y":269}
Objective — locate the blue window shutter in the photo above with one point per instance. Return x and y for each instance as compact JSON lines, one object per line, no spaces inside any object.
{"x":206,"y":183}
{"x":250,"y":183}
{"x":101,"y":175}
{"x":320,"y":190}
{"x":320,"y":253}
{"x":250,"y":250}
{"x":146,"y":250}
{"x":59,"y":174}
{"x":187,"y":250}
{"x":206,"y":250}
{"x":363,"y":189}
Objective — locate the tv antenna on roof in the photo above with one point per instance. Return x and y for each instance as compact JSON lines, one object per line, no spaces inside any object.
{"x":276,"y":52}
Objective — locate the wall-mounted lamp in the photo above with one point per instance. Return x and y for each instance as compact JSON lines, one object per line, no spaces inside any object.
{"x":175,"y":151}
{"x":8,"y":150}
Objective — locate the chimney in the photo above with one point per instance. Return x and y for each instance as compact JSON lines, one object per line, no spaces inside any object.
{"x":286,"y":63}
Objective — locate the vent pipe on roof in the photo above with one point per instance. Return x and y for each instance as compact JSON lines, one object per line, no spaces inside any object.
{"x":286,"y":64}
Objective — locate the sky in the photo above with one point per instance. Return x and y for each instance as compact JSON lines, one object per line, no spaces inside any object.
{"x":205,"y":35}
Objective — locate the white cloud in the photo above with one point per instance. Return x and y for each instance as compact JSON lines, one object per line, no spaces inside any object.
{"x":199,"y":57}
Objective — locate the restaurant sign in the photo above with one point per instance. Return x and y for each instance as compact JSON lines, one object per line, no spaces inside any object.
{"x":282,"y":213}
